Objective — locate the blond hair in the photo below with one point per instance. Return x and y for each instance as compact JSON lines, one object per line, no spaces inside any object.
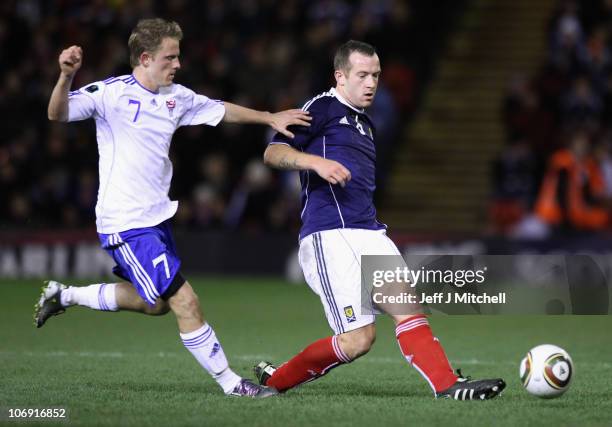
{"x":148,"y":36}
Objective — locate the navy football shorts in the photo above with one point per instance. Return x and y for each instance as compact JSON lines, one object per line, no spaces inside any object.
{"x":147,"y":258}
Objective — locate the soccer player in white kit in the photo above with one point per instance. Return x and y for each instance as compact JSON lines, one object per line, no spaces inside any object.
{"x":336,"y":157}
{"x":136,"y":116}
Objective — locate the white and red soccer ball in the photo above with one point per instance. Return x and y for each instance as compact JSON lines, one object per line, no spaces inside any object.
{"x":546,"y":371}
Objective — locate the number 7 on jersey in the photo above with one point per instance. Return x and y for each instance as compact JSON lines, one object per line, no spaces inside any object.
{"x":137,"y":102}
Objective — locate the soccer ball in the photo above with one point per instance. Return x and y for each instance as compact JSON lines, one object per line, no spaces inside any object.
{"x":546,"y":371}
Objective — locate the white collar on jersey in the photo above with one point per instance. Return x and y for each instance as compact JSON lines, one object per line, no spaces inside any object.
{"x":335,"y":93}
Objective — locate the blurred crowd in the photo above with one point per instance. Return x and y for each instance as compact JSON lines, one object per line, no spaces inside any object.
{"x":555,"y":173}
{"x":265,"y":54}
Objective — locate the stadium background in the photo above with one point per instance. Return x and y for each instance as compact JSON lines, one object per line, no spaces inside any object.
{"x":266,"y":55}
{"x":475,"y":98}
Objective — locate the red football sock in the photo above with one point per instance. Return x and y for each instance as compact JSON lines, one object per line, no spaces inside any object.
{"x":313,"y":362}
{"x":423,"y":351}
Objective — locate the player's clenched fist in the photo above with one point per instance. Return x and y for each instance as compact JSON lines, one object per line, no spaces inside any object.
{"x":332,"y":171}
{"x":70,"y":60}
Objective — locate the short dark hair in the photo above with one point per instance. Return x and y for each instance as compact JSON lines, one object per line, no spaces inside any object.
{"x":341,"y":59}
{"x":148,"y":36}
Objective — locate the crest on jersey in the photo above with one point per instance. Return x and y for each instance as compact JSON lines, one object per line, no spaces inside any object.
{"x":170,"y":104}
{"x":349,"y":313}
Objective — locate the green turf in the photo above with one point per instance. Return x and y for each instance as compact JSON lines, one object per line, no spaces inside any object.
{"x":128,"y":369}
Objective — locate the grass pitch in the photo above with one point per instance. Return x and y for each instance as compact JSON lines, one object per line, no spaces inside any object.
{"x":127,"y":369}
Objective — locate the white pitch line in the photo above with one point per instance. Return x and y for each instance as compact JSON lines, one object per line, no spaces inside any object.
{"x":251,"y":357}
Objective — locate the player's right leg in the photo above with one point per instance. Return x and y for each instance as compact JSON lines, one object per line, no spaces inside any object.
{"x":317,"y":359}
{"x":333,"y":273}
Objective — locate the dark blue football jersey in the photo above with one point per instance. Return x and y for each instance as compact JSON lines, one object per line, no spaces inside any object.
{"x":345,"y":134}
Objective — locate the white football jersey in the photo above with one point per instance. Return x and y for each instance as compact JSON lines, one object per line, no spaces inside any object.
{"x":134,"y":128}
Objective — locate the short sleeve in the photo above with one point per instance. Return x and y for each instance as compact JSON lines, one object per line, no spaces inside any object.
{"x":86,"y":102}
{"x":201,"y":110}
{"x":303,"y":134}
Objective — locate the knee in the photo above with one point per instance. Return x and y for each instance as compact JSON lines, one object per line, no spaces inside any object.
{"x":358,"y":342}
{"x":365,"y":340}
{"x":160,"y":308}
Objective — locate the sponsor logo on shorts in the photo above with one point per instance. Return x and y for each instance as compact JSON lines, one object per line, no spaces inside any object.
{"x":349,"y":313}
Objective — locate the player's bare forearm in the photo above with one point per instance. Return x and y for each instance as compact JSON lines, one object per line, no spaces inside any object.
{"x":58,"y":103}
{"x":281,"y":156}
{"x":70,"y":61}
{"x":237,"y":114}
{"x":278,"y":121}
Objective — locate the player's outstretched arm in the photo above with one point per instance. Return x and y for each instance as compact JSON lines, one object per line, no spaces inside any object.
{"x":278,"y":121}
{"x":70,"y":61}
{"x":284,"y":157}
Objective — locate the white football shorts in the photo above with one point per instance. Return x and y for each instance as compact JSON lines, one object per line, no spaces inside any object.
{"x":331,"y":262}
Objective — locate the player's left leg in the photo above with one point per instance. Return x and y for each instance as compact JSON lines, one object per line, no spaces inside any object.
{"x":56,"y":297}
{"x":127,"y":298}
{"x":423,"y":351}
{"x":202,"y":342}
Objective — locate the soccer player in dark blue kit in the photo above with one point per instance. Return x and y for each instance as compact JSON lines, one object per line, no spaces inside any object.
{"x":336,"y":157}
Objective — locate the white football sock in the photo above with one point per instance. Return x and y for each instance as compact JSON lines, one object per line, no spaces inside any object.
{"x":207,"y":350}
{"x":99,"y":296}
